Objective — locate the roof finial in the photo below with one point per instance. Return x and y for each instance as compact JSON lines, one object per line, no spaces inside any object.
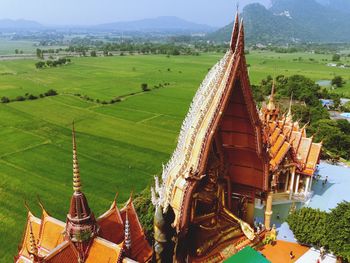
{"x":127,"y":232}
{"x":76,"y":171}
{"x":235,"y":31}
{"x":289,"y":114}
{"x":33,"y":250}
{"x":271,"y":104}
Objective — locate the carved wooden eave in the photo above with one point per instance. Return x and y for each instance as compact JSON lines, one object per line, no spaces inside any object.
{"x":204,"y":122}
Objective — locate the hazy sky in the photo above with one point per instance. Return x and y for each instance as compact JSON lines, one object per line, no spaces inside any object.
{"x":78,"y":12}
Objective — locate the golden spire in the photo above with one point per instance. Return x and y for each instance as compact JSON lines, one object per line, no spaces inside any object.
{"x":271,"y":104}
{"x":33,"y":250}
{"x":76,"y":171}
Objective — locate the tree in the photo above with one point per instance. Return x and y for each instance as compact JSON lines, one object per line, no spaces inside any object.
{"x":20,"y":98}
{"x":40,"y":64}
{"x":145,"y":210}
{"x":51,"y":92}
{"x":32,"y":97}
{"x":49,"y":63}
{"x":338,"y":81}
{"x":93,"y":53}
{"x":5,"y":100}
{"x":39,"y":53}
{"x":338,"y":230}
{"x":336,"y":57}
{"x":309,"y":226}
{"x":343,"y":125}
{"x":144,"y":87}
{"x":318,"y":228}
{"x":16,"y":51}
{"x":334,"y":135}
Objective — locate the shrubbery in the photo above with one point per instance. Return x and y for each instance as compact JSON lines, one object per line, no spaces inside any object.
{"x":52,"y":63}
{"x":27,"y":96}
{"x":321,"y":229}
{"x":145,"y":211}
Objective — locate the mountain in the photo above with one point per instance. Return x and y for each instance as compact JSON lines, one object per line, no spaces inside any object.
{"x":164,"y":23}
{"x":292,"y":20}
{"x":20,"y":24}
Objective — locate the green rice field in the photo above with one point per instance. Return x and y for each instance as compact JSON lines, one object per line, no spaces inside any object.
{"x":120,"y":146}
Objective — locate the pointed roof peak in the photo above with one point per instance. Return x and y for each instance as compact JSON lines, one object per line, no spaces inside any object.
{"x":240,"y":41}
{"x":76,"y":170}
{"x":45,"y":213}
{"x":114,"y":203}
{"x":271,"y":105}
{"x":235,"y":31}
{"x":28,"y":208}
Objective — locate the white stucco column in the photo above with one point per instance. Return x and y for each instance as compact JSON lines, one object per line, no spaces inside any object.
{"x":291,"y":183}
{"x":307,"y":185}
{"x":297,"y":184}
{"x":310,"y":186}
{"x":287,"y":182}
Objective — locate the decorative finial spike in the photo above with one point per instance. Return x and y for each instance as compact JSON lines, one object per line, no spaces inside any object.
{"x":271,"y":104}
{"x":289,"y":114}
{"x":76,"y":170}
{"x":127,"y":233}
{"x":33,"y":248}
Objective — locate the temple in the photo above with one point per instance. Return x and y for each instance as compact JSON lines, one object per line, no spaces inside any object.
{"x":230,"y":157}
{"x":115,"y":236}
{"x":293,"y":155}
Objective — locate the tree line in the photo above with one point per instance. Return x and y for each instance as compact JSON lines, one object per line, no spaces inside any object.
{"x":27,"y":96}
{"x":52,"y":63}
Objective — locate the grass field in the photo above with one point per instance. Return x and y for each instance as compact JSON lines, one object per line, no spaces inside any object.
{"x":121,"y":146}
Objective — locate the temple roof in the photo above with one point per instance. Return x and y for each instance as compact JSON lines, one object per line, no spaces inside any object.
{"x":46,"y":239}
{"x":224,"y":91}
{"x":49,"y":232}
{"x":284,"y":137}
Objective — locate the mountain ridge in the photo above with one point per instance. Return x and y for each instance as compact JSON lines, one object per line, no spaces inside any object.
{"x":158,"y":24}
{"x":288,"y":21}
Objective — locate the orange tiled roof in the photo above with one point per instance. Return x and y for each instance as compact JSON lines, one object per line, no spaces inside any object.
{"x":312,"y":159}
{"x":111,"y":225}
{"x":277,"y":145}
{"x":304,"y":149}
{"x":103,"y":251}
{"x":51,"y":233}
{"x":64,"y":253}
{"x":107,"y":247}
{"x":287,"y":137}
{"x":280,"y":155}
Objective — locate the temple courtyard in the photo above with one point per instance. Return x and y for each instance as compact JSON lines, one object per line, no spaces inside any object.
{"x":325,"y":197}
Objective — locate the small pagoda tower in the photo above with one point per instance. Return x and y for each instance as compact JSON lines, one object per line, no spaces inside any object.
{"x":270,"y":111}
{"x":81,"y":226}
